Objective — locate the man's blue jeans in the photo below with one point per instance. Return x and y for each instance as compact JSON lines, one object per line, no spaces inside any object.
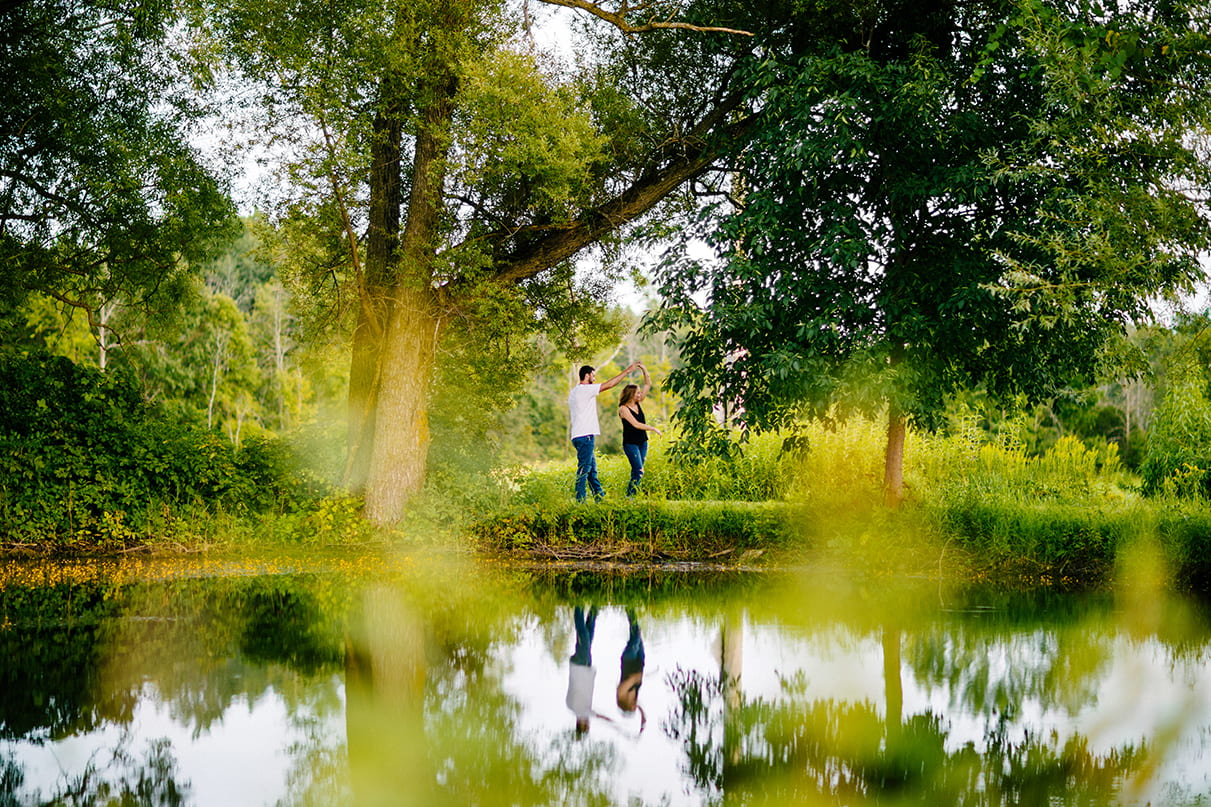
{"x":586,"y":468}
{"x":637,"y":454}
{"x":583,"y":654}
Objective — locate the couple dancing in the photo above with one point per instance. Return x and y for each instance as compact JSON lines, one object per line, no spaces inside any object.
{"x":582,"y":403}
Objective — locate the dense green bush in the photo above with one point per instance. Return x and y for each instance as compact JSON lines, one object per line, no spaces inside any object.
{"x":84,"y":461}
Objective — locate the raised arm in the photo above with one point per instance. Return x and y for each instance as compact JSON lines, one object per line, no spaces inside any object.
{"x":613,"y":382}
{"x":646,"y":386}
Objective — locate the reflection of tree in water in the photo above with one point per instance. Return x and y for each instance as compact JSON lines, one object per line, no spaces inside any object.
{"x":799,"y":749}
{"x":1044,"y":649}
{"x":428,"y":721}
{"x":77,"y":656}
{"x":697,"y":723}
{"x":284,"y":621}
{"x":150,"y":781}
{"x":80,"y":657}
{"x":51,"y":645}
{"x":319,"y":773}
{"x":995,"y":673}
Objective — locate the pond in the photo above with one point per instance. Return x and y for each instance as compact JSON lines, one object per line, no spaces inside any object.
{"x":381,"y":679}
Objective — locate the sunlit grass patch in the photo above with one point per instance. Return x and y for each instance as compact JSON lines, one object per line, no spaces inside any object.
{"x":643,"y":529}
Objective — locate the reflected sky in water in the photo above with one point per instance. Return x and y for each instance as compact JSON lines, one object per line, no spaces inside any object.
{"x":436,"y":683}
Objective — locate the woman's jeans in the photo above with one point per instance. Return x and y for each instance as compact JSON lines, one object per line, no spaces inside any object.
{"x":586,"y":468}
{"x":637,"y":454}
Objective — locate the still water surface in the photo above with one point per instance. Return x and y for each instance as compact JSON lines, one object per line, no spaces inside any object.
{"x":403,"y":680}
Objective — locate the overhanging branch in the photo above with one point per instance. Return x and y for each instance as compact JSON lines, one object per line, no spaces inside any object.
{"x":619,"y":19}
{"x":701,"y":148}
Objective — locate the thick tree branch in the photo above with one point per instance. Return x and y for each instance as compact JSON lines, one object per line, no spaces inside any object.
{"x":45,"y":192}
{"x":619,"y":19}
{"x":701,"y":148}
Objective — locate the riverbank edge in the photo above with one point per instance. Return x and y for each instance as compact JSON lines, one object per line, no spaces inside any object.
{"x":1041,"y":543}
{"x":1037,"y":544}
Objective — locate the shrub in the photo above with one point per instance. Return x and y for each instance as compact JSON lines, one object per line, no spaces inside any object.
{"x":83,"y":461}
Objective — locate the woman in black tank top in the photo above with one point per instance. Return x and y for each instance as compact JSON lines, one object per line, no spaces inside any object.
{"x":635,"y":428}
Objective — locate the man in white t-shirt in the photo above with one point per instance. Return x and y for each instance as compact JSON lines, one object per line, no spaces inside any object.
{"x":582,"y":403}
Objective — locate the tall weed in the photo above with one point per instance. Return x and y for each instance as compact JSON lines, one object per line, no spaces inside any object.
{"x":762,"y":472}
{"x":967,"y":464}
{"x":1069,"y":508}
{"x":1178,"y":460}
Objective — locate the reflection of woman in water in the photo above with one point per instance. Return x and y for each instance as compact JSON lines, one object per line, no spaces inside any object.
{"x":631,"y":677}
{"x":581,"y":673}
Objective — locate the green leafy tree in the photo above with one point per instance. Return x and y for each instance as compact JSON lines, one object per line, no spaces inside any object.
{"x":449,"y":172}
{"x":101,"y":195}
{"x":943,"y":197}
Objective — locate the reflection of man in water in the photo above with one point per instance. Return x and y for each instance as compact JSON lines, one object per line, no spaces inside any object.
{"x":631,"y":677}
{"x":581,"y":673}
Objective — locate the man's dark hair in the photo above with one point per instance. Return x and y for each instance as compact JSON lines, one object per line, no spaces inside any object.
{"x":584,"y":371}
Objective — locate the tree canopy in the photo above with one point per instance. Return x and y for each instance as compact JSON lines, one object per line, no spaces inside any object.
{"x":969,"y":194}
{"x":101,"y":194}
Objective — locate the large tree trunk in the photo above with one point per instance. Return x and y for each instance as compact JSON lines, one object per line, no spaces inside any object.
{"x":363,"y":389}
{"x":401,"y":436}
{"x":400,"y":446}
{"x":893,"y":464}
{"x":374,"y":284}
{"x":390,"y":381}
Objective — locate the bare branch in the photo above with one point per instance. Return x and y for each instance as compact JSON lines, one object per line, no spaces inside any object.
{"x":619,"y":19}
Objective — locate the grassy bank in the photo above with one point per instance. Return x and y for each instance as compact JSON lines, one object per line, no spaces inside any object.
{"x":975,"y":506}
{"x":646,"y":529}
{"x":87,"y":467}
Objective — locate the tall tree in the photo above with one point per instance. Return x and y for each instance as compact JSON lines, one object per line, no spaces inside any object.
{"x":101,"y":195}
{"x":949,"y":195}
{"x":464,"y":170}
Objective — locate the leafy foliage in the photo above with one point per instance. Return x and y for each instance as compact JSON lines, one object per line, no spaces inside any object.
{"x":229,"y":356}
{"x":980,"y":195}
{"x":1179,"y":445}
{"x":85,"y":461}
{"x":100,"y":192}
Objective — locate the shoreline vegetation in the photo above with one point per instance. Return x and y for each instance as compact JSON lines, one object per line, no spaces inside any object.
{"x":979,"y":506}
{"x":85,"y":474}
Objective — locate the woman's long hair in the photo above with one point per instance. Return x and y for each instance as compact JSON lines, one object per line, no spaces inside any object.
{"x":628,"y":394}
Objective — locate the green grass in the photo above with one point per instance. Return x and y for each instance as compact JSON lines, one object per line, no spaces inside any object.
{"x":975,"y":505}
{"x":642,"y":529}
